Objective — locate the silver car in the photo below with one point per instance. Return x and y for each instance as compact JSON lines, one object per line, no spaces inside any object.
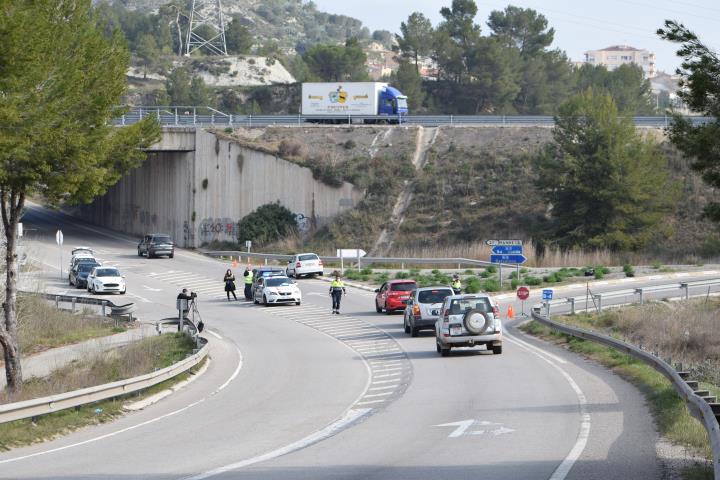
{"x":468,"y":320}
{"x":423,"y":308}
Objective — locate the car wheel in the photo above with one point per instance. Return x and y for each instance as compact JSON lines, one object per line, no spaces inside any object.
{"x":388,"y":311}
{"x":255,"y":300}
{"x":265,"y":302}
{"x":405,"y":324}
{"x":139,"y":253}
{"x":377,"y":308}
{"x":444,"y":352}
{"x":320,"y":274}
{"x":287,"y":273}
{"x":123,"y":292}
{"x":297,"y":303}
{"x":497,"y":349}
{"x":172,"y":255}
{"x":413,"y":331}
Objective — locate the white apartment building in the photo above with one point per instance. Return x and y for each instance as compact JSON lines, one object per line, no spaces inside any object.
{"x":616,"y":55}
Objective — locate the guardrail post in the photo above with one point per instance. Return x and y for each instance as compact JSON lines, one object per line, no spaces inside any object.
{"x":249,"y":120}
{"x":212,"y":119}
{"x":598,"y":298}
{"x":73,"y":304}
{"x":547,"y":309}
{"x":639,"y":291}
{"x":503,"y":119}
{"x":571,"y":300}
{"x":265,"y":260}
{"x":299,"y":118}
{"x":57,"y":301}
{"x":451,"y":119}
{"x":122,"y":121}
{"x":176,"y":117}
{"x":687,"y":290}
{"x":194,"y":116}
{"x":104,"y":304}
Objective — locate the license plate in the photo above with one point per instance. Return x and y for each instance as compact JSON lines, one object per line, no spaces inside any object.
{"x":456,"y":331}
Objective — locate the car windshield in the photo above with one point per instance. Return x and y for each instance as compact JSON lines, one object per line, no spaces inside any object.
{"x":161,"y":239}
{"x":461,"y":306}
{"x":85,"y":267}
{"x":402,"y":103}
{"x":433,"y":296}
{"x":304,"y":258}
{"x":107,"y":272}
{"x":277,"y":282}
{"x":403,"y":287}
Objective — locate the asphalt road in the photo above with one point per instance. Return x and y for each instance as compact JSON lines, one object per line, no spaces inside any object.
{"x":298,"y":393}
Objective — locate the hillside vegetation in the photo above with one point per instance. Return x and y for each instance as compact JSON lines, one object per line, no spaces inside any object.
{"x":477,"y":183}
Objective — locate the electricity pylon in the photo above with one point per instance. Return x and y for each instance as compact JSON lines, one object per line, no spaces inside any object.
{"x":206,"y":12}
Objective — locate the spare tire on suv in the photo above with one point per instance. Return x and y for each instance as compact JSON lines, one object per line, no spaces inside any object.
{"x":476,"y":321}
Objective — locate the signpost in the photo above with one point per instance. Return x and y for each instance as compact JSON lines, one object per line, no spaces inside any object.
{"x":523,"y":293}
{"x":59,"y":241}
{"x":547,"y":294}
{"x":507,"y":251}
{"x":343,"y":253}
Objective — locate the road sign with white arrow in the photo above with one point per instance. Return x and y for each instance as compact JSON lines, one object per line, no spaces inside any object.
{"x":507,"y":250}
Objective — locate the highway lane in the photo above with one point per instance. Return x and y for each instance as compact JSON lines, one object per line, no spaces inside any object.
{"x":522,"y":414}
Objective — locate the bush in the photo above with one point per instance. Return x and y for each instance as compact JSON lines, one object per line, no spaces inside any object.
{"x":485,"y":274}
{"x":524,"y":270}
{"x":468,"y":272}
{"x":267,"y":224}
{"x":290,"y":148}
{"x":491,"y":285}
{"x":513,"y":275}
{"x":366,"y":271}
{"x":402,"y":275}
{"x":629,"y":270}
{"x":514,"y":284}
{"x":349,"y":145}
{"x":533,"y":281}
{"x":473,"y":285}
{"x":435,"y":271}
{"x":599,"y":274}
{"x":491,"y":269}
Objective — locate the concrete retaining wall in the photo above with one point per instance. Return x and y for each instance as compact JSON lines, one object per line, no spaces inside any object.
{"x":199,"y":196}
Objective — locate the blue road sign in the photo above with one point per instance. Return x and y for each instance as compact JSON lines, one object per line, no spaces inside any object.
{"x":547,"y":294}
{"x":514,"y":258}
{"x":507,"y":250}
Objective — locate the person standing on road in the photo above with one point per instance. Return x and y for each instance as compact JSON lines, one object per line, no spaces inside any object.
{"x":337,"y":289}
{"x":230,"y":284}
{"x":248,"y":278}
{"x":456,"y":285}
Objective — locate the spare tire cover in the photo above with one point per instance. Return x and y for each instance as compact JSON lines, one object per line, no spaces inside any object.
{"x":476,"y":321}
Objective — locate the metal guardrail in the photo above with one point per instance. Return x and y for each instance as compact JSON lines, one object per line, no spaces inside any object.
{"x":634,"y":293}
{"x":115,"y":310}
{"x":402,"y":261}
{"x":189,"y":116}
{"x":698,"y":406}
{"x":54,"y":403}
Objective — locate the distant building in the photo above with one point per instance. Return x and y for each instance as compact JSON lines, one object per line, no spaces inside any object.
{"x":616,"y":55}
{"x":380,"y":62}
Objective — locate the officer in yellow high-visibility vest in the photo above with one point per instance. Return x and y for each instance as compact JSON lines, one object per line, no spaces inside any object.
{"x":337,"y":289}
{"x":248,"y":278}
{"x":456,"y":285}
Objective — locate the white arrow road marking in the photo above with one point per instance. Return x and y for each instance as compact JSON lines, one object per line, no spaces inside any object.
{"x":464,"y":428}
{"x":152,"y":289}
{"x":461,"y":427}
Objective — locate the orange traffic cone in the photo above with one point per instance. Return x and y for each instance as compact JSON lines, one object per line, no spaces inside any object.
{"x":510,"y":312}
{"x":234,"y":263}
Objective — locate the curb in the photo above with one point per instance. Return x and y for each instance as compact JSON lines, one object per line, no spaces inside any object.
{"x":153,"y":399}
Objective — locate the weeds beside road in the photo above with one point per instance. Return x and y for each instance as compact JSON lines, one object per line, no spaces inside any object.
{"x":681,"y":333}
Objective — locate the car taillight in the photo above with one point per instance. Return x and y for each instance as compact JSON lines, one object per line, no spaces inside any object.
{"x":416,"y":310}
{"x":496,"y":311}
{"x":446,"y":316}
{"x":298,"y":264}
{"x":320,"y":263}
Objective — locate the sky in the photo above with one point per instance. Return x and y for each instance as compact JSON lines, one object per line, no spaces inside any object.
{"x":580,"y":25}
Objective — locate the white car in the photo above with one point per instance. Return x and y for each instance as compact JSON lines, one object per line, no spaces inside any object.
{"x":106,"y":280}
{"x":277,"y":289}
{"x":304,"y":264}
{"x":468,"y":320}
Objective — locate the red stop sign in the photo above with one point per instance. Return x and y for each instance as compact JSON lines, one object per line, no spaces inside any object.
{"x":523,"y":293}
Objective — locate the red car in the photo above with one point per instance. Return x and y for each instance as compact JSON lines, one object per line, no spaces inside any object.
{"x":394,"y":295}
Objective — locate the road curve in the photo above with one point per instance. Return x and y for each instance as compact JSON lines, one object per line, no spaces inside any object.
{"x":536,"y":411}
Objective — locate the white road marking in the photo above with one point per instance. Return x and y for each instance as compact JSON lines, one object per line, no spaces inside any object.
{"x":517,"y":341}
{"x":563,"y":469}
{"x":381,"y":382}
{"x":379,"y":395}
{"x":136,"y":426}
{"x":152,"y":289}
{"x":383,"y":388}
{"x":388,"y":375}
{"x":370,"y":402}
{"x":350,"y":417}
{"x":216,"y":335}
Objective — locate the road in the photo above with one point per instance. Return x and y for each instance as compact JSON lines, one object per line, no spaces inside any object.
{"x":298,"y":393}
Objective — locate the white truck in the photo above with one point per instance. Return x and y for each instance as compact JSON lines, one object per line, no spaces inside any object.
{"x":339,"y":102}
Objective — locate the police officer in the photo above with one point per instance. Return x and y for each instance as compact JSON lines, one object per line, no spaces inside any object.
{"x":248,"y":279}
{"x":337,"y":289}
{"x":456,"y":285}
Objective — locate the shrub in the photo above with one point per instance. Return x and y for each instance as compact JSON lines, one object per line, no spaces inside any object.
{"x":402,"y":275}
{"x":513,"y":275}
{"x":524,"y":270}
{"x":467,"y":272}
{"x":629,"y":270}
{"x":491,"y":269}
{"x":366,"y":271}
{"x":599,"y":274}
{"x":435,"y":271}
{"x":533,"y":281}
{"x":269,"y":223}
{"x":473,"y":285}
{"x":290,"y":148}
{"x":491,"y":285}
{"x":485,"y":274}
{"x":349,"y":145}
{"x":514,"y":283}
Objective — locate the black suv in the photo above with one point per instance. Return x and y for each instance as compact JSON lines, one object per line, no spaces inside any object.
{"x":155,"y":245}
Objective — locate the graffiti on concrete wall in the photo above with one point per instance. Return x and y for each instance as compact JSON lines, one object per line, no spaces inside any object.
{"x":303,"y":222}
{"x":218,"y":229}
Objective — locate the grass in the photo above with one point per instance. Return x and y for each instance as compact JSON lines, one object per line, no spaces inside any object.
{"x":28,"y":431}
{"x":41,"y":326}
{"x":137,"y":358}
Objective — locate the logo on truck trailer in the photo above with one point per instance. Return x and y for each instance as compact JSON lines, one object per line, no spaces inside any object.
{"x":338,"y":96}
